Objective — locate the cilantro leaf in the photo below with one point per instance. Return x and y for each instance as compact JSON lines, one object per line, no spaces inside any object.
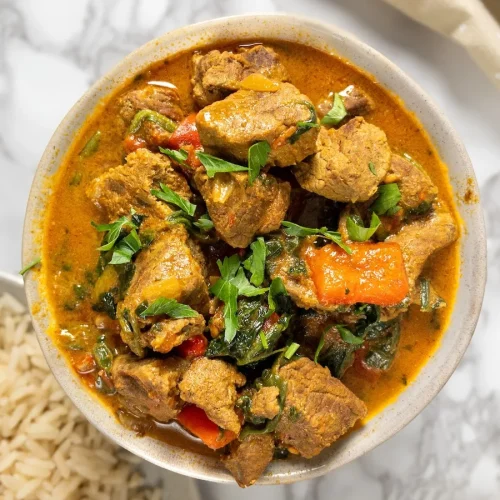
{"x":256,"y":262}
{"x":180,"y":156}
{"x":170,"y":307}
{"x":292,"y":229}
{"x":214,"y":165}
{"x":257,"y":158}
{"x":170,"y":196}
{"x":357,"y":232}
{"x":228,"y":293}
{"x":126,"y":248}
{"x":387,"y":199}
{"x":337,"y":113}
{"x":114,"y":229}
{"x":276,"y":289}
{"x":204,"y":223}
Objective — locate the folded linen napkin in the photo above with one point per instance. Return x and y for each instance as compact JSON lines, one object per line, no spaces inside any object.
{"x":472,"y":23}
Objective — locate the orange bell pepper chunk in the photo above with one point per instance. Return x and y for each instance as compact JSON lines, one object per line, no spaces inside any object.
{"x":195,"y":420}
{"x":374,"y":273}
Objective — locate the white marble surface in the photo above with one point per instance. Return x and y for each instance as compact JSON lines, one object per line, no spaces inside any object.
{"x":52,"y":50}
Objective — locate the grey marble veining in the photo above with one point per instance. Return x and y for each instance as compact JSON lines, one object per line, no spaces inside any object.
{"x":51,"y":51}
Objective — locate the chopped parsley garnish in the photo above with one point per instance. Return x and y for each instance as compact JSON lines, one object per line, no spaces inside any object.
{"x":169,"y":307}
{"x":125,"y":249}
{"x":337,"y":113}
{"x":371,"y":166}
{"x":356,"y":230}
{"x":256,"y":262}
{"x":257,"y":158}
{"x":170,"y":196}
{"x":214,"y":165}
{"x":180,"y":156}
{"x":387,"y":199}
{"x":233,"y":282}
{"x":292,"y":229}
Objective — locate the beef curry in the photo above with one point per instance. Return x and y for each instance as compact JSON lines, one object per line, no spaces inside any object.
{"x":255,"y":245}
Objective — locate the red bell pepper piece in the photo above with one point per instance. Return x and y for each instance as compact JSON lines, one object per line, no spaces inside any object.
{"x":195,"y":420}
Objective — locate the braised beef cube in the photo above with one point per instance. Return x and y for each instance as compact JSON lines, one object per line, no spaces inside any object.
{"x":265,"y":402}
{"x":318,"y":408}
{"x":229,"y":127}
{"x":350,"y":162}
{"x":172,"y":268}
{"x":128,"y":186}
{"x":163,"y":100}
{"x":421,"y":238}
{"x":417,"y":190}
{"x":218,"y":74}
{"x":149,"y":386}
{"x":356,"y":102}
{"x":211,"y":385}
{"x":167,"y":334}
{"x":155,"y":98}
{"x":248,"y":459}
{"x":240,"y":211}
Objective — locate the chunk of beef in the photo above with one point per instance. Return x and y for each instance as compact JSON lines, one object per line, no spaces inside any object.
{"x":294,"y":272}
{"x":421,"y":238}
{"x":159,"y":99}
{"x":231,"y":126}
{"x":163,"y":100}
{"x":218,"y":74}
{"x":265,"y":402}
{"x":128,"y":186}
{"x":240,"y":211}
{"x":149,"y":386}
{"x":248,"y":459}
{"x":340,"y":170}
{"x":356,"y":102}
{"x":167,"y":334}
{"x":211,"y":385}
{"x":417,"y":190}
{"x":172,"y":268}
{"x":318,"y":408}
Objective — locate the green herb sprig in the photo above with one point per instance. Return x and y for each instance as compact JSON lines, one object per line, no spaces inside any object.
{"x":292,"y":229}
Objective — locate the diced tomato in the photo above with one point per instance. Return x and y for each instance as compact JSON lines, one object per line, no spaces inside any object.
{"x":83,"y":362}
{"x":374,"y":273}
{"x":133,"y":143}
{"x":186,"y":134}
{"x":193,"y":347}
{"x":195,"y":420}
{"x":270,"y":322}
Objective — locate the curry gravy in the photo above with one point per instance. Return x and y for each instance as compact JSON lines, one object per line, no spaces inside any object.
{"x":70,"y":243}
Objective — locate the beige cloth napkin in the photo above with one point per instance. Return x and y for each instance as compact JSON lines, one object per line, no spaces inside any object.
{"x":472,"y":23}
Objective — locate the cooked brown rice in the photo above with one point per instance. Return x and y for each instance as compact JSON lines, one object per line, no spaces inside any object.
{"x":47,"y":448}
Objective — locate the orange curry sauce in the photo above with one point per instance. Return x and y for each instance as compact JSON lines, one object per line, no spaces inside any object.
{"x":70,"y":243}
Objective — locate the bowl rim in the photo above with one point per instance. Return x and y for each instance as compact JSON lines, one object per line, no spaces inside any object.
{"x":53,"y":357}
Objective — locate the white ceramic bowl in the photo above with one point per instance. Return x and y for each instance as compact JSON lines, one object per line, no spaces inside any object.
{"x":433,"y":376}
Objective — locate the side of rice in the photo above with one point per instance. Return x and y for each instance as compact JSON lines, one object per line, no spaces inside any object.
{"x":48,"y":450}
